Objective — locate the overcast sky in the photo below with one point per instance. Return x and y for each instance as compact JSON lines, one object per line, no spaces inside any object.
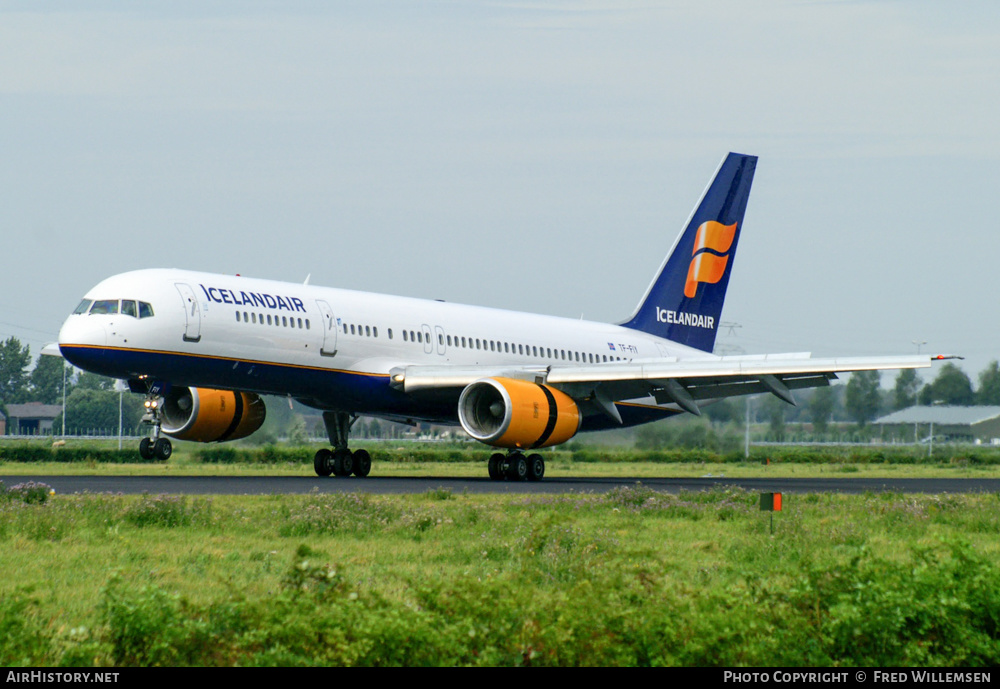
{"x":537,"y":156}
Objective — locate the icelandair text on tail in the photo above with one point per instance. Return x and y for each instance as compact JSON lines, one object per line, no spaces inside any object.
{"x":684,"y":318}
{"x":857,"y":676}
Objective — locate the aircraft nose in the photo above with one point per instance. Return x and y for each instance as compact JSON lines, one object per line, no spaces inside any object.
{"x":82,"y":342}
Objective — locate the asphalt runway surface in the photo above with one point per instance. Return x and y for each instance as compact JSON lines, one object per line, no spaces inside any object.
{"x":289,"y":485}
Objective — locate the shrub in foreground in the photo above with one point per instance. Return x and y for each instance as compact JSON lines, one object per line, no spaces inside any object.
{"x":939,"y":609}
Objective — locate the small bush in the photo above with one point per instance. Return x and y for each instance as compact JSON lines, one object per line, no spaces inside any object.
{"x":165,"y":511}
{"x":440,"y":494}
{"x":24,"y":639}
{"x":29,"y":493}
{"x":337,"y":513}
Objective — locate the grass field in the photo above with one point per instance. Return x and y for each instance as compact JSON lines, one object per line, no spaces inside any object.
{"x":629,"y":578}
{"x":464,"y":460}
{"x":553,"y":469}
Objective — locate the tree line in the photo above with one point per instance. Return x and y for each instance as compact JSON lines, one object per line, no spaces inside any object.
{"x":91,"y":400}
{"x":826,"y":410}
{"x":865,"y":399}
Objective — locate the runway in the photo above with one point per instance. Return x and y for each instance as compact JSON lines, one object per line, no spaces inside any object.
{"x":285,"y":485}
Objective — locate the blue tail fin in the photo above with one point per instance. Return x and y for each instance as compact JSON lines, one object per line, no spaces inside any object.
{"x":684,"y":301}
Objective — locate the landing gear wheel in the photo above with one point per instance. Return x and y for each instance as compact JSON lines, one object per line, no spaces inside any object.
{"x":343,"y":462}
{"x":517,"y":469}
{"x":495,"y":466}
{"x":362,"y":463}
{"x":162,"y":449}
{"x":536,"y":467}
{"x":323,"y":462}
{"x":146,"y":448}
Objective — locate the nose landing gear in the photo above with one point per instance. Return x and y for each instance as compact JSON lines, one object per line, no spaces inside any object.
{"x":154,"y":447}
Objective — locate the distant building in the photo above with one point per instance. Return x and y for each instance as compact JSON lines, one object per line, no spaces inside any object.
{"x":33,"y":418}
{"x":964,"y":424}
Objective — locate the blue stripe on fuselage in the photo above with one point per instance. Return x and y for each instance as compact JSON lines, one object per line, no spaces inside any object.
{"x":332,"y":389}
{"x":362,"y":393}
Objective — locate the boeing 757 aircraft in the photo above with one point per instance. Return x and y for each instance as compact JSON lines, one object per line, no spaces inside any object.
{"x":202,"y":347}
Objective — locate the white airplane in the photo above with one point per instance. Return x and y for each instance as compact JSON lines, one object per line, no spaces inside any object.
{"x":202,"y":347}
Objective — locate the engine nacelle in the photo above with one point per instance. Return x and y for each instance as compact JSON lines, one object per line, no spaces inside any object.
{"x":208,"y":416}
{"x":505,"y":412}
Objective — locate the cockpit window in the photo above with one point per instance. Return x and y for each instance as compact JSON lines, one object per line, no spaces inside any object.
{"x":129,"y":307}
{"x":104,"y":307}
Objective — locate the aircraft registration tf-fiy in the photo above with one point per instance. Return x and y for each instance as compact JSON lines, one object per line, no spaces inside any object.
{"x":202,"y":347}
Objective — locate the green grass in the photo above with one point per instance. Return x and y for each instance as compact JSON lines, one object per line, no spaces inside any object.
{"x":554,"y":469}
{"x":469,"y":460}
{"x":633,"y":577}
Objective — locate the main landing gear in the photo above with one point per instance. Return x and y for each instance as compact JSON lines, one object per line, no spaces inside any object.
{"x":340,"y":461}
{"x":154,"y":447}
{"x":514,"y":466}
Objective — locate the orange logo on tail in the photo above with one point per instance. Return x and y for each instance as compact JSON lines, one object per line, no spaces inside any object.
{"x":707,"y":267}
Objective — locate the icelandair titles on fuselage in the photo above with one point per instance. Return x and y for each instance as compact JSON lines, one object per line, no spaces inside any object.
{"x":684,"y":318}
{"x":222,"y":295}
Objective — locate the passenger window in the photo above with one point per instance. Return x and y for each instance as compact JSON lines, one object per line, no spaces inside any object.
{"x":345,"y":328}
{"x":128,"y":308}
{"x":284,"y":321}
{"x":440,"y":339}
{"x":307,"y":324}
{"x":253,"y":317}
{"x":404,"y":337}
{"x":269,"y":319}
{"x":237,"y":315}
{"x":106,"y":306}
{"x":352,"y":328}
{"x":83,"y":307}
{"x":368,"y":331}
{"x":390,"y":333}
{"x":374,"y":331}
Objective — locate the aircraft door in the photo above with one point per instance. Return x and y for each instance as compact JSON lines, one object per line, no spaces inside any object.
{"x":192,"y":312}
{"x":329,"y":347}
{"x":428,"y":344}
{"x":439,"y":334}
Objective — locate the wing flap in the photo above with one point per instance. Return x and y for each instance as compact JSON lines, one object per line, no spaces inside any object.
{"x":701,"y":379}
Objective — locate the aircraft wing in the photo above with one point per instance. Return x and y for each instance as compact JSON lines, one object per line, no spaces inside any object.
{"x":681,"y":382}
